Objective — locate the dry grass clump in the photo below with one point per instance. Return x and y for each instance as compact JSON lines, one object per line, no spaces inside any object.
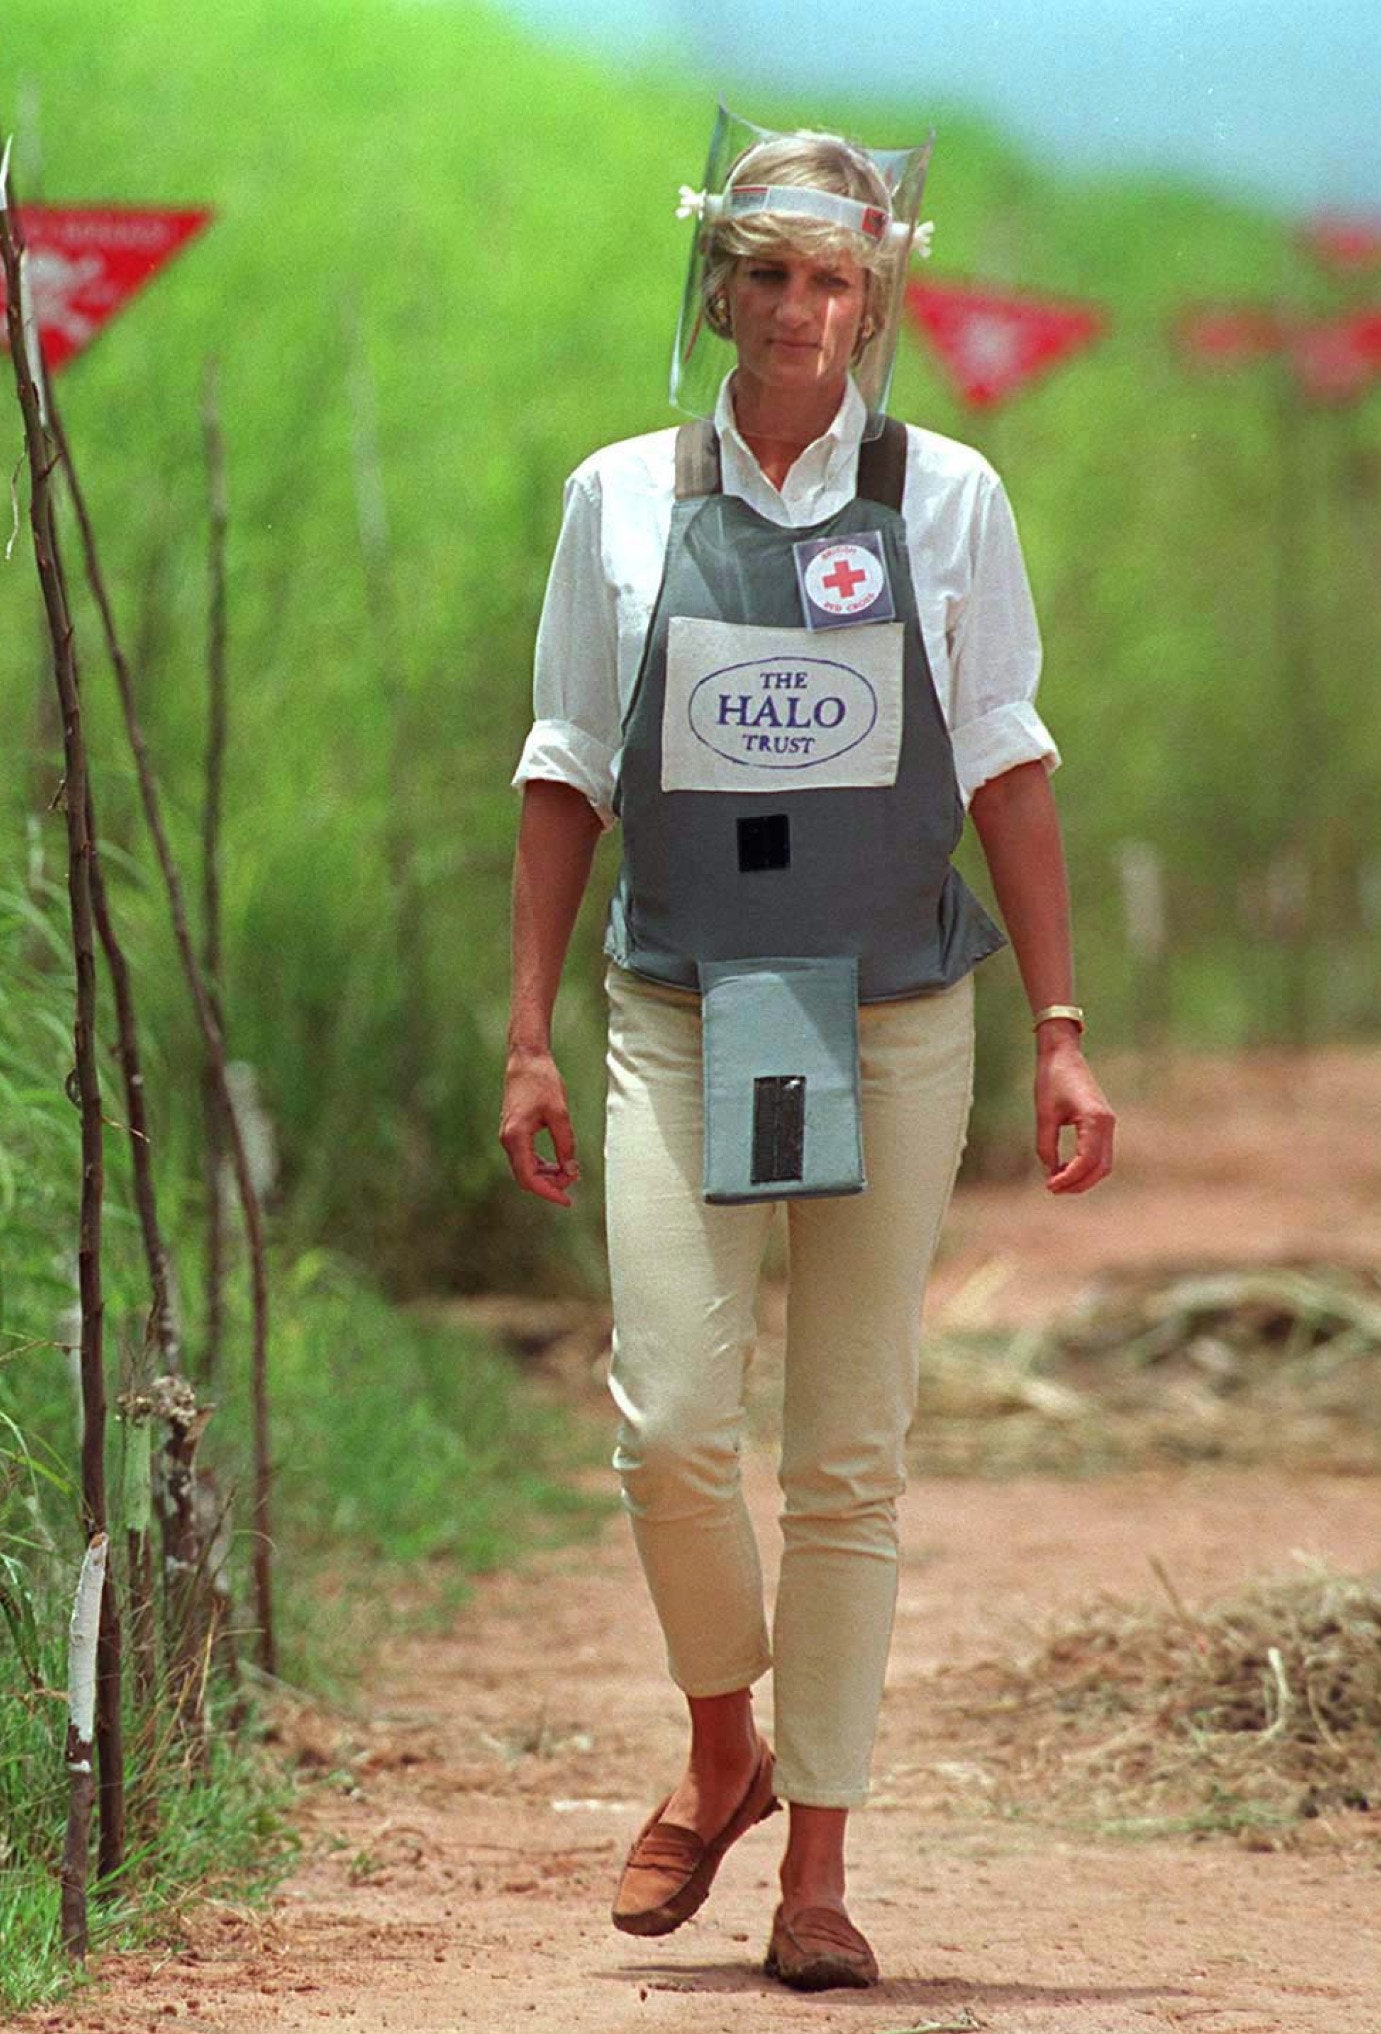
{"x":1249,"y":1366}
{"x":1259,"y":1711}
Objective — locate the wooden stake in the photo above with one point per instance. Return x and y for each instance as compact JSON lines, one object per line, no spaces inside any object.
{"x":186,"y":1598}
{"x":162,"y":1327}
{"x":42,"y":459}
{"x":214,"y":1132}
{"x":135,"y":1409}
{"x":1293,"y":627}
{"x":47,"y":723}
{"x":215,"y":1048}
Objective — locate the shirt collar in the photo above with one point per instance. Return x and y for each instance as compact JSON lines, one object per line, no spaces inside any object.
{"x":829,"y":463}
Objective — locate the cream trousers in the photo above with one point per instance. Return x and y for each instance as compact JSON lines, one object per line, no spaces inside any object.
{"x":684,"y":1277}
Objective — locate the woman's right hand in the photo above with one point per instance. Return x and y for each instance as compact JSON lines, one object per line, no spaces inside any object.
{"x":534,"y":1100}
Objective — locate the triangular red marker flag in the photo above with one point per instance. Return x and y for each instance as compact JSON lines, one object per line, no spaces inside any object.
{"x":1229,"y":335}
{"x":1348,"y":246}
{"x":993,"y":343}
{"x":85,"y":263}
{"x":1338,"y":360}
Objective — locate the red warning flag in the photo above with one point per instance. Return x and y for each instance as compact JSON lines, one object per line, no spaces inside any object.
{"x":1228,"y":335}
{"x":1336,"y":361}
{"x":1348,"y":246}
{"x":991,"y":342}
{"x":85,"y":263}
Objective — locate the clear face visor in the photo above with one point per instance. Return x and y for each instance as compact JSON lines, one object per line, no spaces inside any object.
{"x":883,"y":239}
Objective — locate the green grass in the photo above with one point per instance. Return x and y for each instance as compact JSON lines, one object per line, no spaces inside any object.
{"x":227,"y":1837}
{"x":409,"y":1459}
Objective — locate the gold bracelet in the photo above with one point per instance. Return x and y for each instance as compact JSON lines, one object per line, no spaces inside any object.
{"x":1070,"y":1010}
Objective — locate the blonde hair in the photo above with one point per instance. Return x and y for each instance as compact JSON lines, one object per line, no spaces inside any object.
{"x":821,"y":162}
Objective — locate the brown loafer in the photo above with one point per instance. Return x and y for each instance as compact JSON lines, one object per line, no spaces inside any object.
{"x":818,"y":1949}
{"x":669,"y":1869}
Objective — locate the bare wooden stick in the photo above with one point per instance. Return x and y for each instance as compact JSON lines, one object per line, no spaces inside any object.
{"x":162,"y":1328}
{"x":214,"y":1134}
{"x":1295,"y":637}
{"x":161,"y":1332}
{"x":216,"y":1529}
{"x":47,"y":722}
{"x":143,"y":1624}
{"x":173,"y":1400}
{"x":215,"y":1048}
{"x":42,"y":460}
{"x":1176,"y":1601}
{"x":141,"y":1597}
{"x":209,"y":1578}
{"x":81,"y":1709}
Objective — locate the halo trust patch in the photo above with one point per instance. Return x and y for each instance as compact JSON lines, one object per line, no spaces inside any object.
{"x":843,"y":579}
{"x":748,"y":708}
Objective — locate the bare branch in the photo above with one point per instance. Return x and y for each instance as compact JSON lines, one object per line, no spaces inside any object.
{"x":214,"y":1044}
{"x":214,"y":1130}
{"x":79,"y":888}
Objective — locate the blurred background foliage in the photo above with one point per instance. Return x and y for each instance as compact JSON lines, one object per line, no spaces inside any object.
{"x":435,"y":236}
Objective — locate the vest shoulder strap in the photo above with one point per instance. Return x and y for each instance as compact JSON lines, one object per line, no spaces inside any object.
{"x":882,"y":465}
{"x":697,"y":460}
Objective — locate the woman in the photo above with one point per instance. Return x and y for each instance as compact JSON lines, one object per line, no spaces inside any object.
{"x":784,"y":790}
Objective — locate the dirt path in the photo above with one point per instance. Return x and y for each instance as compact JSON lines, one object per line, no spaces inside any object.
{"x":1230,"y":1162}
{"x":461,"y":1845}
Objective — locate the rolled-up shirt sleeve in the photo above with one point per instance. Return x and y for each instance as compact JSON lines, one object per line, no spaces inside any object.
{"x":995,"y":654}
{"x":576,"y":731}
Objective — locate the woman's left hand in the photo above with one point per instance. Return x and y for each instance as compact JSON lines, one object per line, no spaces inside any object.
{"x":1067,"y":1093}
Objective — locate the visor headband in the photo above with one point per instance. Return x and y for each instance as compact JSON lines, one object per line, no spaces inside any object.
{"x":872,"y":221}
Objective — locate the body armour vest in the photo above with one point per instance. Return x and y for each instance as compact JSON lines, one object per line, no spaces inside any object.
{"x":786,"y":790}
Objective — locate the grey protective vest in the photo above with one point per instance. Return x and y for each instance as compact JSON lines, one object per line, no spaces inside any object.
{"x":720,"y":875}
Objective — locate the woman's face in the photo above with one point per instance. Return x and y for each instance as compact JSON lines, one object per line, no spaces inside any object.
{"x":794,"y":318}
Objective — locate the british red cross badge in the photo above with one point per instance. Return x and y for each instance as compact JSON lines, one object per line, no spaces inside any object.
{"x":843,"y":579}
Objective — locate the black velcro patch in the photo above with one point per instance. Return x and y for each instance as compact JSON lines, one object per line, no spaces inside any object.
{"x":764,"y":843}
{"x":779,"y":1127}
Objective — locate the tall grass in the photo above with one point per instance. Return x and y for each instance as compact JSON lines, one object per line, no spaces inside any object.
{"x":228,"y":1835}
{"x":492,"y":226}
{"x":409,"y":1459}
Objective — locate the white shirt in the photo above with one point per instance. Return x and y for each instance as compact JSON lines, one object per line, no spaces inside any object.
{"x":971,"y":587}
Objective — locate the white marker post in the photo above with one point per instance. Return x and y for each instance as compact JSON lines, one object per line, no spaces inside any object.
{"x":81,"y":1743}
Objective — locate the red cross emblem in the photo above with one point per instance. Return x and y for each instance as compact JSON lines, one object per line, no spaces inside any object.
{"x":844,"y":578}
{"x":843,"y":581}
